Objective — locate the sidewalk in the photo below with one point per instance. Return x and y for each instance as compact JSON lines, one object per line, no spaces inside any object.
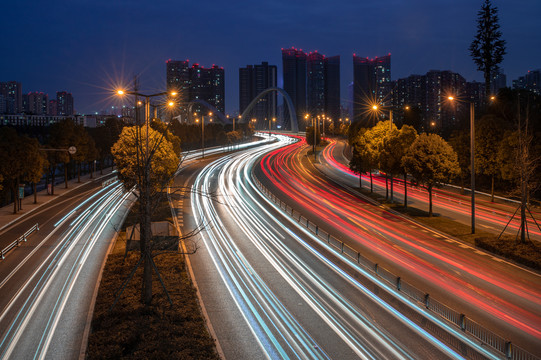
{"x":7,"y":217}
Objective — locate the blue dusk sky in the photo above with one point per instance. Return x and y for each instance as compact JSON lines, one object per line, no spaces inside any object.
{"x":88,"y":47}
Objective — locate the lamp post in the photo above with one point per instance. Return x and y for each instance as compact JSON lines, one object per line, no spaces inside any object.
{"x":472,"y":158}
{"x":144,"y":184}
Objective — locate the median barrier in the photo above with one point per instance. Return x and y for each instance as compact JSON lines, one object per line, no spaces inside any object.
{"x":19,"y":240}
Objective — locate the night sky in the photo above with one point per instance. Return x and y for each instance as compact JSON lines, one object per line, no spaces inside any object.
{"x":88,"y":47}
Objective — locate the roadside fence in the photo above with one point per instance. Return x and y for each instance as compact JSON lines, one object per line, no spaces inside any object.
{"x":459,"y":320}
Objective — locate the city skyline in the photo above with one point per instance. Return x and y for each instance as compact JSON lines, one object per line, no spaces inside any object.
{"x":108,"y":42}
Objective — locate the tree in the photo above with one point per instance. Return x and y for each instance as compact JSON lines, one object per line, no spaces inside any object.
{"x":129,"y":152}
{"x":413,"y":117}
{"x":488,"y":48}
{"x":36,"y":165}
{"x":62,"y":135}
{"x":430,"y":160}
{"x":377,"y":136}
{"x":310,"y":136}
{"x":460,"y":141}
{"x":146,"y":160}
{"x":520,"y":161}
{"x":362,"y":160}
{"x":489,"y":132}
{"x":395,"y":146}
{"x":162,"y":127}
{"x":20,"y":159}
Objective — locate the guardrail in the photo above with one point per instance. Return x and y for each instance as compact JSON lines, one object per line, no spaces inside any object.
{"x":420,"y":298}
{"x":19,"y":240}
{"x":108,"y":182}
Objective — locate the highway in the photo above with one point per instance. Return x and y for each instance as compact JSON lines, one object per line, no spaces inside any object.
{"x":499,"y":295}
{"x":265,"y":277}
{"x":48,"y":283}
{"x":490,"y":217}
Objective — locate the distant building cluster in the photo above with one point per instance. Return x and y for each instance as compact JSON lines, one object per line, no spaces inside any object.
{"x":196,"y":83}
{"x":312,"y":81}
{"x":531,"y":81}
{"x":428,"y":94}
{"x":36,"y":109}
{"x":14,"y":102}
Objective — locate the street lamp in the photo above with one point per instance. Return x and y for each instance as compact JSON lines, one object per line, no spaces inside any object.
{"x":144,"y":184}
{"x":472,"y":158}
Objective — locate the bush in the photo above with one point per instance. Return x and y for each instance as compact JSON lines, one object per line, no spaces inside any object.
{"x":160,"y":331}
{"x":526,"y":254}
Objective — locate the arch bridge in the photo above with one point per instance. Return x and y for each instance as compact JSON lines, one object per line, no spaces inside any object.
{"x":287,"y":100}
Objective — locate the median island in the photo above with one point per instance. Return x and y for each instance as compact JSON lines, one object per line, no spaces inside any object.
{"x":131,"y":330}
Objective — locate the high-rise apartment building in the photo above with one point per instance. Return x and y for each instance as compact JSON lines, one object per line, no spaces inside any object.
{"x":11,"y":93}
{"x":371,"y":83}
{"x":531,"y":81}
{"x":254,"y":79}
{"x":429,"y":94}
{"x":64,"y":103}
{"x":323,"y":85}
{"x":315,"y":86}
{"x":409,"y":94}
{"x":36,"y":103}
{"x":294,"y":75}
{"x":196,"y":82}
{"x":332,"y":88}
{"x":178,"y":79}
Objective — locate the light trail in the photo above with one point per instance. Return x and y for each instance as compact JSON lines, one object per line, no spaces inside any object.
{"x":497,"y":214}
{"x":446,"y":266}
{"x":48,"y":289}
{"x":278,"y":332}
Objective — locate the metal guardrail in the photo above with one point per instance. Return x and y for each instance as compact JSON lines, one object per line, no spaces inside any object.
{"x":422,"y":299}
{"x":19,"y":240}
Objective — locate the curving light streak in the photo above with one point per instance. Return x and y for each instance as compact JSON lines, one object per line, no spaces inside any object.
{"x":71,"y":252}
{"x":416,"y":250}
{"x":349,"y":324}
{"x":497,"y":214}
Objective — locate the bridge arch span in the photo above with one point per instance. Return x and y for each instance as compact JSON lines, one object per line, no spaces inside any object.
{"x":291,"y":108}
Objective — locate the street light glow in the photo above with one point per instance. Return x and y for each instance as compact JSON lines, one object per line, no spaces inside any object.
{"x":120,"y":92}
